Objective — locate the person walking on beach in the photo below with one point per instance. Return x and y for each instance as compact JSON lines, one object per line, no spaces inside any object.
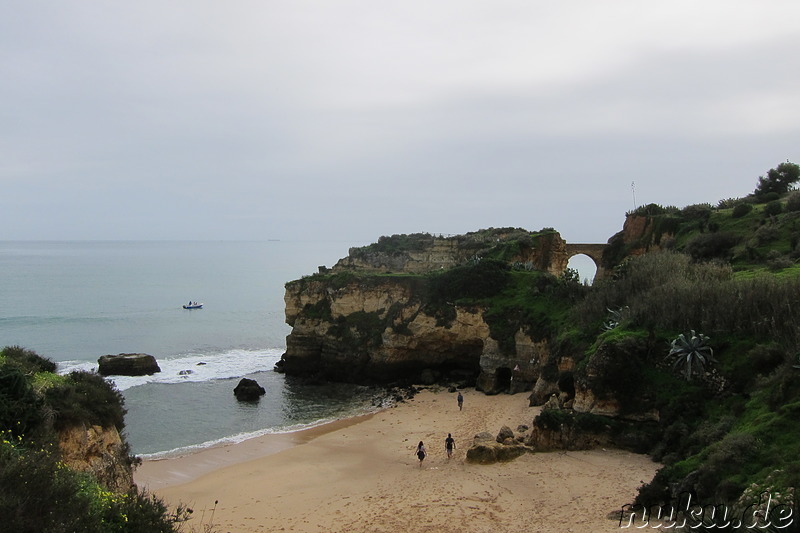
{"x":421,"y":453}
{"x":460,"y":401}
{"x":449,"y":445}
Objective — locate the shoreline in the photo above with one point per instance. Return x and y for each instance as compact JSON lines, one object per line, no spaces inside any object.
{"x":360,"y":474}
{"x":157,"y":473}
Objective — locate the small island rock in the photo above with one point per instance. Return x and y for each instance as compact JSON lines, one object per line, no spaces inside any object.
{"x":248,"y":390}
{"x":127,"y":364}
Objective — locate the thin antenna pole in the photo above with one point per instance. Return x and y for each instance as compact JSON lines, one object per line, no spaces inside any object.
{"x":633,"y":191}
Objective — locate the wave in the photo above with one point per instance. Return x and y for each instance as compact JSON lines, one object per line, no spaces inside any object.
{"x":192,"y":367}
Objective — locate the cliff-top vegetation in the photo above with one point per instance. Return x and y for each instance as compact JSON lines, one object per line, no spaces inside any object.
{"x":493,"y":243}
{"x":717,"y":286}
{"x":39,"y":493}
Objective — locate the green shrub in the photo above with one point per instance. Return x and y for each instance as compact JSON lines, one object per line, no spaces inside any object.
{"x":27,"y":361}
{"x":653,"y":209}
{"x":20,"y":407}
{"x":765,"y":234}
{"x":474,"y":282}
{"x":741,"y":210}
{"x":778,"y":261}
{"x":773,"y":208}
{"x":769,"y":197}
{"x":726,"y":459}
{"x":697,"y":212}
{"x":395,"y":245}
{"x":86,"y":398}
{"x":728,"y":203}
{"x":712,"y":246}
{"x":666,"y":291}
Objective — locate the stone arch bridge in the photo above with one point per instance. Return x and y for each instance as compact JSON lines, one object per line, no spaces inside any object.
{"x":593,"y":251}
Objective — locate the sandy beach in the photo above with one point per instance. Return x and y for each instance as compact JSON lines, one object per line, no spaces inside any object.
{"x":361,"y":475}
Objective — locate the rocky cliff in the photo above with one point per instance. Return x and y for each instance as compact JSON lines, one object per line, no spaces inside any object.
{"x":374,"y":316}
{"x":376,"y":329}
{"x":100,"y":451}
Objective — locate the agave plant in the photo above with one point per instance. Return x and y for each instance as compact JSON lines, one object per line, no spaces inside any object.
{"x":691,"y":354}
{"x":615,"y":317}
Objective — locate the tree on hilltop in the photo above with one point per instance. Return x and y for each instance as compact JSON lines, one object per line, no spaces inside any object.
{"x":778,"y":180}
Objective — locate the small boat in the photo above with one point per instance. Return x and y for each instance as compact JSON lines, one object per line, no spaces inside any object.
{"x":193,"y":305}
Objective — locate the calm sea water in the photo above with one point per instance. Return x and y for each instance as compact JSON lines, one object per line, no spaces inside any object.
{"x":75,"y":301}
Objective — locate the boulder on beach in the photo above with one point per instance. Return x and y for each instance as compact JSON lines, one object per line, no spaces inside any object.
{"x":504,"y":434}
{"x":248,"y":390}
{"x":491,"y":452}
{"x":127,"y":364}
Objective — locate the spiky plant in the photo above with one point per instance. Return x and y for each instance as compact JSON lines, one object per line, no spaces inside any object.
{"x":615,"y":317}
{"x":691,"y":354}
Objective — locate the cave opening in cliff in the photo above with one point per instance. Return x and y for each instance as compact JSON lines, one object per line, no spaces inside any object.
{"x":566,"y":383}
{"x":503,"y":379}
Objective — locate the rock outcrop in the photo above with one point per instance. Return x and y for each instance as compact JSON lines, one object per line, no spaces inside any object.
{"x":381,"y":329}
{"x":375,"y":329}
{"x":100,"y":451}
{"x":127,"y":364}
{"x":486,"y":449}
{"x":248,"y":390}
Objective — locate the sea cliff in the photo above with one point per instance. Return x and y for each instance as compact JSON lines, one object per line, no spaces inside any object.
{"x":427,"y":309}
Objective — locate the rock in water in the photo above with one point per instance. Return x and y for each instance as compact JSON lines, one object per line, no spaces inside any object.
{"x":127,"y":364}
{"x":248,"y":390}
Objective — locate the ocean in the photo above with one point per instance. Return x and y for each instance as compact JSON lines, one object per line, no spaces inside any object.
{"x":75,"y":301}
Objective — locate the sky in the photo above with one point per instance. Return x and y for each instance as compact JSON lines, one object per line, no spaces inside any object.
{"x":346,"y":120}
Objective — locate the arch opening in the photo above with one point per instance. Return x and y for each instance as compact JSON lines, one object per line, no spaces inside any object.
{"x":586,"y":267}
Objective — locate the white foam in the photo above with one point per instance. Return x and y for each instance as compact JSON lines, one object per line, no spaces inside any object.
{"x":195,"y":367}
{"x":241,"y":437}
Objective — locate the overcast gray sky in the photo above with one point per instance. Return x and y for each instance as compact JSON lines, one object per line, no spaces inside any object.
{"x":351,"y":119}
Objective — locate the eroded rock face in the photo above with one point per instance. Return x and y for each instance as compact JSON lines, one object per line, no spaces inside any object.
{"x":610,"y":385}
{"x":376,"y":331}
{"x":100,"y":451}
{"x":566,"y":437}
{"x":127,"y":364}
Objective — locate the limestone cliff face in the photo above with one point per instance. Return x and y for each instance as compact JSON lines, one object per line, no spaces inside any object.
{"x":375,"y":330}
{"x":640,"y":234}
{"x":100,"y":451}
{"x":381,"y":327}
